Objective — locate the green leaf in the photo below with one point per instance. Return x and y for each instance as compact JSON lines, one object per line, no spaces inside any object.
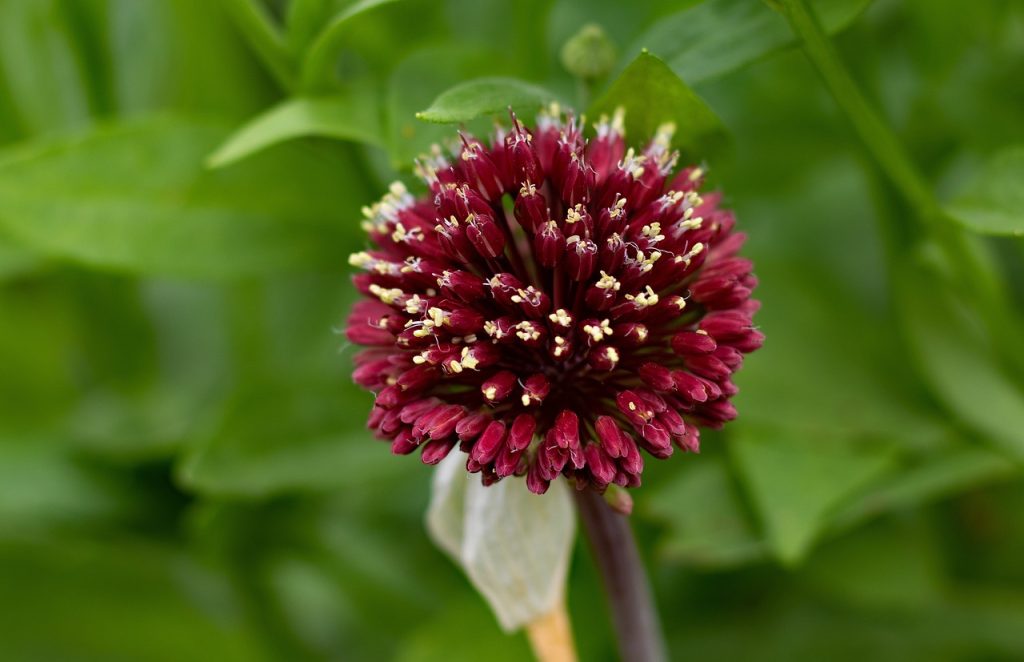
{"x":719,"y":36}
{"x":40,"y":67}
{"x":993,"y":201}
{"x":893,"y":564}
{"x":320,"y":56}
{"x":951,"y":349}
{"x":291,"y":437}
{"x":458,"y":633}
{"x":716,"y":534}
{"x":344,"y":117}
{"x":796,"y":480}
{"x":652,"y":95}
{"x":264,"y":37}
{"x":136,"y":601}
{"x":16,"y":261}
{"x":136,"y":198}
{"x":41,"y":485}
{"x":947,"y":472}
{"x":415,"y":82}
{"x":485,"y":96}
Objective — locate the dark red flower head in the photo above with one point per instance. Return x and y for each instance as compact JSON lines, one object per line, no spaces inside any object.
{"x":552,"y":306}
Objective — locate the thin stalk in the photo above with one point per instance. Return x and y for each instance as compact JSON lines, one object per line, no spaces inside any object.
{"x":259,"y":30}
{"x":631,"y":602}
{"x":551,"y":636}
{"x":886,"y":149}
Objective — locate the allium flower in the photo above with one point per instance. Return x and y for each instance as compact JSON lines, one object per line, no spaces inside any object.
{"x":552,"y":306}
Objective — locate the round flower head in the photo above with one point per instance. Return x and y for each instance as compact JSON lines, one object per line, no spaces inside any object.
{"x":554,"y":305}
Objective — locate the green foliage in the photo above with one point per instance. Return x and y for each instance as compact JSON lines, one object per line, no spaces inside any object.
{"x":152,"y":209}
{"x":485,"y":96}
{"x":345,"y":117}
{"x":652,"y":95}
{"x":715,"y":37}
{"x":184,"y":468}
{"x":993,"y":201}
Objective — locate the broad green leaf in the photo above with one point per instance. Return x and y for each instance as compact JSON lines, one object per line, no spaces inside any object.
{"x":303,"y":19}
{"x":40,"y":67}
{"x":458,"y":632}
{"x":485,"y":96}
{"x":705,"y":517}
{"x":715,"y":37}
{"x":16,"y":261}
{"x":151,"y":423}
{"x":344,"y":117}
{"x":942,"y":474}
{"x":961,"y":366}
{"x":796,"y":480}
{"x":37,"y":352}
{"x":831,"y":362}
{"x":653,"y":95}
{"x":993,"y":201}
{"x":319,"y":58}
{"x":136,"y":198}
{"x":415,"y":82}
{"x":894,"y":563}
{"x":123,"y":600}
{"x":41,"y":486}
{"x":512,"y":544}
{"x":254,"y":21}
{"x":291,"y":437}
{"x":197,"y":63}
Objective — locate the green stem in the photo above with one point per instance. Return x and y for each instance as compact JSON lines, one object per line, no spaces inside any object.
{"x":884,"y":147}
{"x":258,"y":29}
{"x":888,"y":152}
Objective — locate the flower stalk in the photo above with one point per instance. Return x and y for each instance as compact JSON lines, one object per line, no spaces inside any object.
{"x":630,"y":599}
{"x":885,"y":148}
{"x":551,"y":636}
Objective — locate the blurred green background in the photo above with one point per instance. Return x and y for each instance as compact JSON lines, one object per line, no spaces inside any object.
{"x":184,"y":472}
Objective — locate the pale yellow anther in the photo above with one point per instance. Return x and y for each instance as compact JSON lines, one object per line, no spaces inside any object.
{"x":419,"y":359}
{"x":362,"y":259}
{"x":574,"y":215}
{"x":612,"y":354}
{"x":696,"y":174}
{"x":663,"y":135}
{"x":653,"y":231}
{"x":561,"y":317}
{"x":598,"y":331}
{"x":454,"y":366}
{"x":646,"y":298}
{"x":491,"y":392}
{"x":690,"y":223}
{"x":468,"y":360}
{"x":527,"y":332}
{"x":436,"y":315}
{"x":388,"y":296}
{"x":607,"y":282}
